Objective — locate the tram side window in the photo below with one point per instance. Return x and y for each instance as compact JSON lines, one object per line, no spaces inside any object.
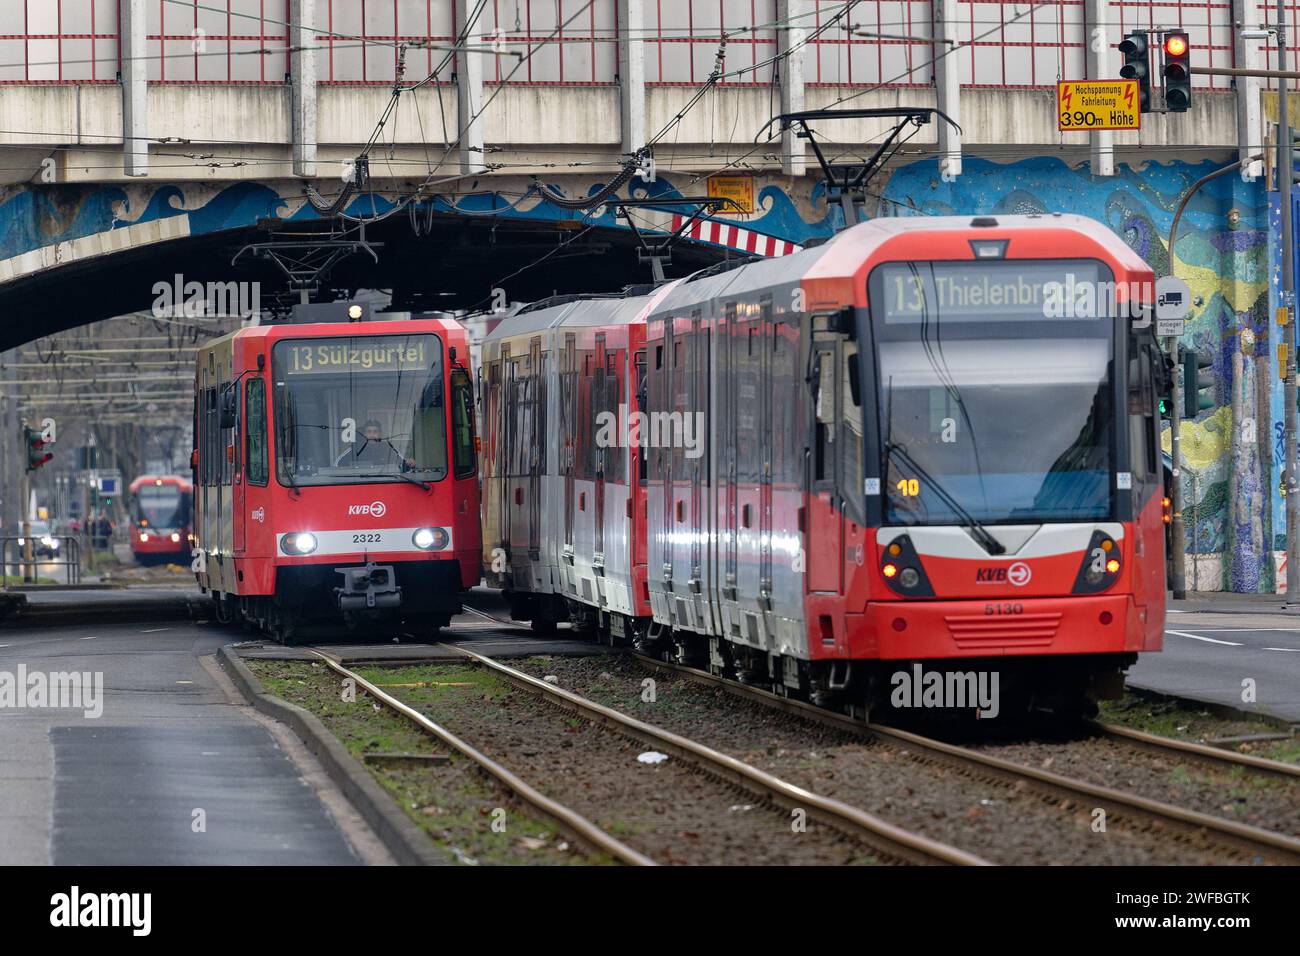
{"x":1142,"y":446}
{"x":615,"y":452}
{"x":255,"y":431}
{"x":786,"y":381}
{"x":747,"y":371}
{"x":462,"y":423}
{"x":210,"y":437}
{"x":851,"y":459}
{"x":225,"y":468}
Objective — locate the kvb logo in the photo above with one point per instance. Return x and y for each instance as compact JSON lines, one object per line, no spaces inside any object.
{"x":1019,"y":574}
{"x":376,"y":509}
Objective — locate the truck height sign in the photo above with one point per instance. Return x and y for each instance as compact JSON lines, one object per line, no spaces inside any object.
{"x":1083,"y":105}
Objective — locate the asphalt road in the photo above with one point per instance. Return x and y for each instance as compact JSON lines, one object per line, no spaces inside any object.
{"x":1210,"y":655}
{"x":172,"y":772}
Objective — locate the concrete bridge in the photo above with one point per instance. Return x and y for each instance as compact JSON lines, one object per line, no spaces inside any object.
{"x":154,"y":138}
{"x":217,"y":141}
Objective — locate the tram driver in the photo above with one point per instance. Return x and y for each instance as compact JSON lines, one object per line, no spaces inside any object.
{"x":374,"y":450}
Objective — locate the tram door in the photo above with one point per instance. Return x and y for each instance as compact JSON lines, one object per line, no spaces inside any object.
{"x":768,"y":340}
{"x":728,"y":345}
{"x":238,"y":455}
{"x":569,"y":429}
{"x":603,"y":455}
{"x":694,"y":419}
{"x":821,"y":523}
{"x":536,"y":442}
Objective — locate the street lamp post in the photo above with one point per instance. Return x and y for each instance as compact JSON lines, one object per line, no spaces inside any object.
{"x":1285,"y":175}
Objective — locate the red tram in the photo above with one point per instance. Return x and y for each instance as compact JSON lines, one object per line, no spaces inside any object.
{"x":336,"y":475}
{"x":928,"y":444}
{"x":160,"y":519}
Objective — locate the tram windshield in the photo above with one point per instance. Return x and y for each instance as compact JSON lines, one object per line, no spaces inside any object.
{"x":996,"y":389}
{"x":359,"y":409}
{"x":161,"y":506}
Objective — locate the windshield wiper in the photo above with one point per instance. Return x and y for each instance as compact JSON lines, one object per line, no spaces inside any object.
{"x":977,"y":531}
{"x":405,"y":477}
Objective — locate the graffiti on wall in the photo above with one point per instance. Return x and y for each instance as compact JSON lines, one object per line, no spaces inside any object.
{"x":1222,"y":253}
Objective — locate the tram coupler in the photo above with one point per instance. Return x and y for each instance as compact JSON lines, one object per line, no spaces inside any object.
{"x":372,"y":586}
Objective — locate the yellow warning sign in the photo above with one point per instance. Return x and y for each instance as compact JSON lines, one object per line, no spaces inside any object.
{"x":1083,"y":105}
{"x":740,"y":189}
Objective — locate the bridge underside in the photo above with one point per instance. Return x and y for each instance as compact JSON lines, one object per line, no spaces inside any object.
{"x":457,"y":263}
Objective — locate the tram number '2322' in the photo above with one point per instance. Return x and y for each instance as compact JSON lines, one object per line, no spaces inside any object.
{"x":1004,"y":609}
{"x":371,"y":537}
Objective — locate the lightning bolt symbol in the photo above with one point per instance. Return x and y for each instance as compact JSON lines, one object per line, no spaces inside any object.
{"x":1128,"y":96}
{"x":1065,"y":99}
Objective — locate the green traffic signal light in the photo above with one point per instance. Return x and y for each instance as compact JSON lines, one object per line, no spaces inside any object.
{"x":1198,"y":384}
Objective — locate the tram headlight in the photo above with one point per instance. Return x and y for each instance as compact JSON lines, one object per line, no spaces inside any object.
{"x":176,"y":538}
{"x":430,"y":539}
{"x":903,"y":570}
{"x":1101,"y":564}
{"x":144,"y":538}
{"x":298,"y":543}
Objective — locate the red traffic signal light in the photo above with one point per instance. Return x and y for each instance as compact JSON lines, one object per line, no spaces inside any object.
{"x":1177,"y":72}
{"x":36,"y":453}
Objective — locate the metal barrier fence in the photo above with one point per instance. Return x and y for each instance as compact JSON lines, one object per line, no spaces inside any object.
{"x":67,"y":556}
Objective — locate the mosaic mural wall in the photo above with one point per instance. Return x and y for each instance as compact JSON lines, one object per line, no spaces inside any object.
{"x":1226,"y":251}
{"x":1230,"y":452}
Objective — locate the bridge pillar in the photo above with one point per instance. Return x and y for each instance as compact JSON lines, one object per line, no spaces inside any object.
{"x":1101,"y":141}
{"x":135,"y":88}
{"x":1250,"y":127}
{"x":631,"y":67}
{"x":795,"y":13}
{"x":947,"y":86}
{"x":469,"y":95}
{"x":304,"y":39}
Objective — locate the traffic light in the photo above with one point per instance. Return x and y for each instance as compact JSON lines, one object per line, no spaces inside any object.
{"x":1295,"y":157}
{"x":1137,"y":66}
{"x":1177,"y":72}
{"x":36,"y":453}
{"x":1196,"y":384}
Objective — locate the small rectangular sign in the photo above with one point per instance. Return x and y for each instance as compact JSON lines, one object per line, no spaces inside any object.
{"x":740,"y":189}
{"x":1083,"y":105}
{"x":1171,"y":327}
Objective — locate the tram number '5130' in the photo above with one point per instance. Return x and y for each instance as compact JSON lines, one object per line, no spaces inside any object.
{"x":1004,"y":609}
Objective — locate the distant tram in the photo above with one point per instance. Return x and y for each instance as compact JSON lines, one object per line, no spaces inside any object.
{"x":918,"y":445}
{"x":335,"y":474}
{"x":160,"y":508}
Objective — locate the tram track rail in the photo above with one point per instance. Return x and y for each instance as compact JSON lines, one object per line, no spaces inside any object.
{"x":579,"y":827}
{"x":893,"y":842}
{"x":1184,"y":748}
{"x":1253,"y":843}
